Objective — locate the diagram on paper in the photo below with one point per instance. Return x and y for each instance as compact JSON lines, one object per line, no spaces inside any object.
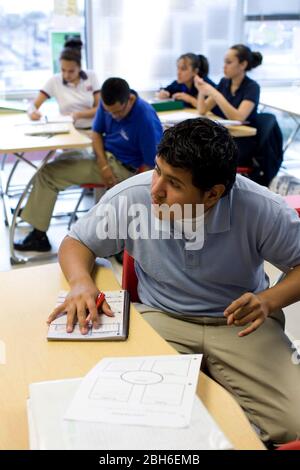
{"x":146,"y":390}
{"x":147,"y":382}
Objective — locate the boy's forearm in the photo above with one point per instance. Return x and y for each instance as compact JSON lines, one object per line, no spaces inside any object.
{"x":284,"y":293}
{"x":76,"y":261}
{"x":99,"y":149}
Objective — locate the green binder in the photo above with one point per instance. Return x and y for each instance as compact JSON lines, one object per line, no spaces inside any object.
{"x":166,"y":105}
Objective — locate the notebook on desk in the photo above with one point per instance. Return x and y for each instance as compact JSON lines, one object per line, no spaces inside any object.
{"x":111,"y":328}
{"x":40,"y":129}
{"x":171,"y":119}
{"x":168,"y":104}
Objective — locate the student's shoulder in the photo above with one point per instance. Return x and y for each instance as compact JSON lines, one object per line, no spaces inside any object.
{"x":54,"y":79}
{"x":91,"y":74}
{"x":144,"y":110}
{"x":249,"y":194}
{"x":53,"y":85}
{"x":251,"y":84}
{"x":209,"y":81}
{"x":223,"y":83}
{"x":57,"y":77}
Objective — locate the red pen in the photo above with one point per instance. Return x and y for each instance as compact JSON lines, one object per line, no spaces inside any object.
{"x":100,"y":299}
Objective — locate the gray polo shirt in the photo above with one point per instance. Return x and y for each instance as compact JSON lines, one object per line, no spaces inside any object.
{"x":246,"y":227}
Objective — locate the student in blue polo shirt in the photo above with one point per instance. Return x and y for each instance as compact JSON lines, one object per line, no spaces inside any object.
{"x":202,"y":285}
{"x":236,"y":96}
{"x":189,"y":66}
{"x":126,"y":132}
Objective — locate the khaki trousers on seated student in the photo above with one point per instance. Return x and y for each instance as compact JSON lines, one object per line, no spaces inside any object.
{"x":260,"y":370}
{"x":59,"y":175}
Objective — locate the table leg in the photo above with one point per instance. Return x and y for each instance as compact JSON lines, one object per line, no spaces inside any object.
{"x":14,"y":259}
{"x":4,"y":158}
{"x":5,"y":183}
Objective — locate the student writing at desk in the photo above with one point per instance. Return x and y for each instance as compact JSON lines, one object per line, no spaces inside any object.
{"x":189,"y":66}
{"x":236,"y":96}
{"x":76,"y":91}
{"x":126,"y":131}
{"x":205,"y":294}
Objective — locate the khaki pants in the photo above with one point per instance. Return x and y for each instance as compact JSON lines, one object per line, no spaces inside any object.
{"x":257,"y":369}
{"x":68,"y":170}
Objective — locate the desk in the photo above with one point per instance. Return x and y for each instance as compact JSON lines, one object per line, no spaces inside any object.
{"x":30,"y":358}
{"x":286,"y":100}
{"x":14,"y":141}
{"x":235,"y":131}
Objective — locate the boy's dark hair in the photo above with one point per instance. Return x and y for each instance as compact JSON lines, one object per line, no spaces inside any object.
{"x":72,"y":50}
{"x":115,"y":90}
{"x":244,"y":53}
{"x":204,"y":148}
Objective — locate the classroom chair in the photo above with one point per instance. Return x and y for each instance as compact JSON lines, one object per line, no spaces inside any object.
{"x":85,"y":188}
{"x":293,"y":445}
{"x":293,"y":201}
{"x":129,"y":277}
{"x":269,"y":152}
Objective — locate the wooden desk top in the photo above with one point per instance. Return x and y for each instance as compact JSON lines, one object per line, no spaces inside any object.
{"x":235,"y":131}
{"x":27,"y":297}
{"x":13,"y":139}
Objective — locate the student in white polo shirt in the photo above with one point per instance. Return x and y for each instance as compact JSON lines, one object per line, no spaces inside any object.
{"x":76,"y":91}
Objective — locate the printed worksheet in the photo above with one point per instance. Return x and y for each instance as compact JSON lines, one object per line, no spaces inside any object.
{"x":113,"y":328}
{"x":147,"y":391}
{"x":173,"y":118}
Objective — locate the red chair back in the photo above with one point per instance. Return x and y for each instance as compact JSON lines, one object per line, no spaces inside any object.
{"x":293,"y":200}
{"x":293,"y":445}
{"x":92,"y":185}
{"x":244,"y":170}
{"x":129,"y":277}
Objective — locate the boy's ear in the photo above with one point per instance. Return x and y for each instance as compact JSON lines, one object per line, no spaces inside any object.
{"x":212,"y":196}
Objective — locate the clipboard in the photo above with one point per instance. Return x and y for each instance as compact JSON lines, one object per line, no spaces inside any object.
{"x":111,"y":328}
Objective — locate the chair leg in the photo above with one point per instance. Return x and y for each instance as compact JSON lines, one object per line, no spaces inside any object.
{"x":4,"y":158}
{"x":14,"y":167}
{"x":73,"y":215}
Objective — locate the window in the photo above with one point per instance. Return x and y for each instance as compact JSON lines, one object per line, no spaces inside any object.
{"x":140,"y":40}
{"x":273,"y":28}
{"x":25,"y":40}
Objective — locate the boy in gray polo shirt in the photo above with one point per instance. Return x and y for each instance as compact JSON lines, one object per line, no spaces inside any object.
{"x":202,"y":284}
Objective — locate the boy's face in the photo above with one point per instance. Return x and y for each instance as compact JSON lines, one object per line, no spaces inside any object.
{"x":119,"y":110}
{"x":172,"y":185}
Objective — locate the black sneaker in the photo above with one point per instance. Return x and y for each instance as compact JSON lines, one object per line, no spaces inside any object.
{"x":33,"y":243}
